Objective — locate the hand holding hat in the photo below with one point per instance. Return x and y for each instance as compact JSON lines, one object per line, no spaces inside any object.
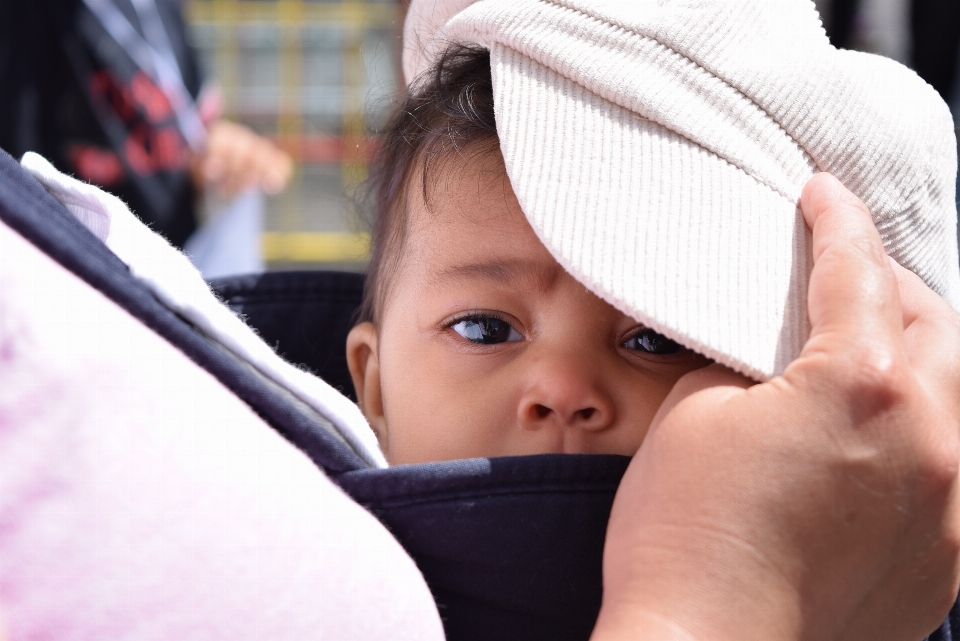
{"x":819,"y":505}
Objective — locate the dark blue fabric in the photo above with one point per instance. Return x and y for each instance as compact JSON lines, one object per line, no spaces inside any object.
{"x":305,"y":315}
{"x":950,"y":629}
{"x":28,"y":209}
{"x":510,"y":547}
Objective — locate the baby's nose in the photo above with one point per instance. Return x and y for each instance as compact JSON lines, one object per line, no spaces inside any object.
{"x":567,"y":396}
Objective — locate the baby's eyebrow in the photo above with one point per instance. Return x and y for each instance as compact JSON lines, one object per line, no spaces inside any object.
{"x":515,"y":273}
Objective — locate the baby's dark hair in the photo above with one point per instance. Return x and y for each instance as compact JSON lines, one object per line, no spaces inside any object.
{"x":448,"y":110}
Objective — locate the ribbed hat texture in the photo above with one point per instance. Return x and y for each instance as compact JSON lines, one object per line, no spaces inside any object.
{"x":659,"y":149}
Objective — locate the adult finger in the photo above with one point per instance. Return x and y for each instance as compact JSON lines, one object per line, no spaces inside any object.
{"x":931,"y":334}
{"x":920,"y":303}
{"x":853,"y":297}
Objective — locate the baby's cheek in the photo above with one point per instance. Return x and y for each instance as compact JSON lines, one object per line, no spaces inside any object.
{"x":439,"y":408}
{"x":446,"y":429}
{"x":430,"y":436}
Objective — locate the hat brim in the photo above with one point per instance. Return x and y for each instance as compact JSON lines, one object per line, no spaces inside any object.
{"x":661,"y":228}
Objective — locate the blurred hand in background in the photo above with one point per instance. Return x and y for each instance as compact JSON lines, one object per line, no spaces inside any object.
{"x":236,"y":159}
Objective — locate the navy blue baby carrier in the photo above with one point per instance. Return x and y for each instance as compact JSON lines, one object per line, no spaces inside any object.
{"x":510,"y":547}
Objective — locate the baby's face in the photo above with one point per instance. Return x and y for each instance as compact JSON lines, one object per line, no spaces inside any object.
{"x":487,"y":347}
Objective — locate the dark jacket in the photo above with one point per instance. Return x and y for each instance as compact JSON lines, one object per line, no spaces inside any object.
{"x":69,"y":92}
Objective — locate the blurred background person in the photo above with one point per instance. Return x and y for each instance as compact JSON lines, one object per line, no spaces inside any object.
{"x":110,"y":91}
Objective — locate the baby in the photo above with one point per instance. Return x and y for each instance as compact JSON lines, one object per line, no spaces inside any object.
{"x":474,"y":341}
{"x":662,"y":166}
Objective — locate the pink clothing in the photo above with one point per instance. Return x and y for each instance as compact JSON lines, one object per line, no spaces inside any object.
{"x":140,"y":499}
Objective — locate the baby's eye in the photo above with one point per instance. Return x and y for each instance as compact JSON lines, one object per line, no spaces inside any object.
{"x":486,"y":330}
{"x":651,"y":342}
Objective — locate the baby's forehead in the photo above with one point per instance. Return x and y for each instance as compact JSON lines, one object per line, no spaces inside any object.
{"x":464,"y":219}
{"x":465,"y":192}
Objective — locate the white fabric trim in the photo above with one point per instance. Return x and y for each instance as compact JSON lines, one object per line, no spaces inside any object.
{"x":177,"y":284}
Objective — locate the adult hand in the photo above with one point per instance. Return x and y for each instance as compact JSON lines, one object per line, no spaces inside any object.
{"x":821,"y":504}
{"x":236,"y":158}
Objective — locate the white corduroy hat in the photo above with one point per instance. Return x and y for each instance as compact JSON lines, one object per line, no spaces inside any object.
{"x":659,"y":149}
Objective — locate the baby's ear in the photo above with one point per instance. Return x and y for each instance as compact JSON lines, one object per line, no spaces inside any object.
{"x":365,"y":372}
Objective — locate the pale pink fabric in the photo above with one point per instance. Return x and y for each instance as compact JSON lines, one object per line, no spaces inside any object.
{"x":140,"y":499}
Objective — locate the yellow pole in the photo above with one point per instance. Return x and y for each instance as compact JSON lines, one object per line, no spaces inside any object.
{"x":226,"y":20}
{"x":354,"y":25}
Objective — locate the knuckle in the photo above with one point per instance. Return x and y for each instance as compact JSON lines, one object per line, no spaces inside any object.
{"x":938,"y":469}
{"x":879,"y":380}
{"x":950,"y":544}
{"x":942,"y":458}
{"x":871,"y":249}
{"x":938,"y":461}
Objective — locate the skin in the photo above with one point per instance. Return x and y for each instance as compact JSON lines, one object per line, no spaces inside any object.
{"x":574,"y":376}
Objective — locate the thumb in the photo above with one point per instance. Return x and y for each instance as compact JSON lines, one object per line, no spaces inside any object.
{"x":715,"y":380}
{"x":853,"y":299}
